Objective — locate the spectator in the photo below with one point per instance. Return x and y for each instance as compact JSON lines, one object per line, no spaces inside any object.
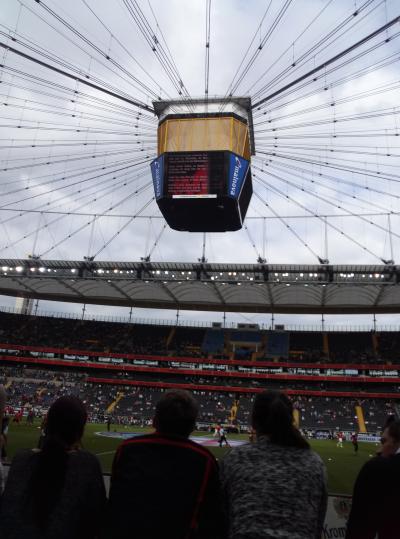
{"x":57,"y":492}
{"x":276,"y":486}
{"x":2,"y":408}
{"x":376,"y":495}
{"x":165,"y":482}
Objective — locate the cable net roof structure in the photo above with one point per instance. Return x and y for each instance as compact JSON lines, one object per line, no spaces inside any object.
{"x":78,"y":131}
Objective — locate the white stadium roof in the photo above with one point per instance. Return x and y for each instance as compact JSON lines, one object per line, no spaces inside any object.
{"x":255,"y":288}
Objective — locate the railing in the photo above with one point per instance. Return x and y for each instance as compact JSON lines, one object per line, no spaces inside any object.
{"x":198,"y":323}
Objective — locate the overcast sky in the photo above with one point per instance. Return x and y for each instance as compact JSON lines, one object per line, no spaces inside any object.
{"x":56,"y":134}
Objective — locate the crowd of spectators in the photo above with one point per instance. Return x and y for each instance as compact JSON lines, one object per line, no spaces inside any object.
{"x":90,"y":335}
{"x":30,"y":388}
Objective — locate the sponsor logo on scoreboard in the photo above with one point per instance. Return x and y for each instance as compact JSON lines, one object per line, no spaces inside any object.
{"x":237,"y":174}
{"x":157,"y":171}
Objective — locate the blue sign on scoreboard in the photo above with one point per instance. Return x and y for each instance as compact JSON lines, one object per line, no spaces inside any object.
{"x":237,"y":173}
{"x":157,"y":171}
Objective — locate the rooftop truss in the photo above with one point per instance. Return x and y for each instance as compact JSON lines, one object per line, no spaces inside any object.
{"x":253,"y":288}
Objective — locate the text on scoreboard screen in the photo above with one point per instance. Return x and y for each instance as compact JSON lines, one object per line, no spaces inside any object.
{"x":197,"y":173}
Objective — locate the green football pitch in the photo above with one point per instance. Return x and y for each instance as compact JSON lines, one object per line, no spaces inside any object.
{"x":342,"y":464}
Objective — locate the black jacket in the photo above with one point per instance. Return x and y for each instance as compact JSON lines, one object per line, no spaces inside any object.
{"x":376,"y":500}
{"x":164,"y":486}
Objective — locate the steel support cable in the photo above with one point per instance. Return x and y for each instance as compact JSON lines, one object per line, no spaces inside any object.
{"x":354,"y":133}
{"x":322,"y":185}
{"x":109,"y":190}
{"x":304,"y":58}
{"x":165,"y":43}
{"x":248,"y":48}
{"x":60,"y":201}
{"x":285,"y":224}
{"x":343,"y":161}
{"x":97,"y":49}
{"x":68,"y":129}
{"x":155,"y":244}
{"x":328,"y":62}
{"x":207,"y":61}
{"x":64,"y":187}
{"x":156,"y":216}
{"x":385,"y":62}
{"x":379,"y":90}
{"x":77,"y":97}
{"x":326,"y":223}
{"x":41,"y":52}
{"x":258,"y":255}
{"x":166,"y":62}
{"x":354,"y":150}
{"x":75,"y":172}
{"x":266,"y":37}
{"x":123,"y":227}
{"x":327,"y":201}
{"x":329,"y":188}
{"x":39,"y":81}
{"x":334,"y":152}
{"x":125,"y":49}
{"x":76,"y":78}
{"x":76,"y":112}
{"x":65,"y":158}
{"x":378,"y":113}
{"x":95,"y":218}
{"x":58,"y":161}
{"x":61,"y":217}
{"x":62,"y":144}
{"x":290,"y":167}
{"x":355,"y":170}
{"x":37,"y":48}
{"x":318,"y":48}
{"x":248,"y":92}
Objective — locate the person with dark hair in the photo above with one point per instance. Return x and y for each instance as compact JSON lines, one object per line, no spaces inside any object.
{"x":275,"y":486}
{"x":58,"y":491}
{"x":166,"y":483}
{"x":2,"y":439}
{"x":376,"y":494}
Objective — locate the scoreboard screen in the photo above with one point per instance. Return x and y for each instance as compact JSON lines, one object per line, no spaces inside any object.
{"x":195,"y":174}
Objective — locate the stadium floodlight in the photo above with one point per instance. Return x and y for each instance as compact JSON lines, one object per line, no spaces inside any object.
{"x":4,"y":268}
{"x":42,"y":269}
{"x":19,"y":269}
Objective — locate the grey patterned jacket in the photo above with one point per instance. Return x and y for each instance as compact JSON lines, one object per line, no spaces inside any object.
{"x":272,"y":491}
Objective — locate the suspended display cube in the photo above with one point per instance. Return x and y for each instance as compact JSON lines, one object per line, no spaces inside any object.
{"x":202,"y":177}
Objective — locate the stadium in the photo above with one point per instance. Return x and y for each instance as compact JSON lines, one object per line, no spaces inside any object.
{"x":166,"y":226}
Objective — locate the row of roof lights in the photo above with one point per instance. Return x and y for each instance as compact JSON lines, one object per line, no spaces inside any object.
{"x":20,"y":269}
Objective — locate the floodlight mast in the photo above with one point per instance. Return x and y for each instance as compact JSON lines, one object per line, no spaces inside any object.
{"x":202,"y":177}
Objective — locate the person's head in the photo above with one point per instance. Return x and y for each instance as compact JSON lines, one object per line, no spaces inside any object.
{"x":272,"y":416}
{"x":66,"y":421}
{"x":176,"y":413}
{"x":390,"y":439}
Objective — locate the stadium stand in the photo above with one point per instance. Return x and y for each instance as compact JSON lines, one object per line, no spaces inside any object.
{"x":121,"y":369}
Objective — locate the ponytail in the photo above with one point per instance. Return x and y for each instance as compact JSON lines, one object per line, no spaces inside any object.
{"x":48,"y":479}
{"x":273,"y":416}
{"x":64,"y":427}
